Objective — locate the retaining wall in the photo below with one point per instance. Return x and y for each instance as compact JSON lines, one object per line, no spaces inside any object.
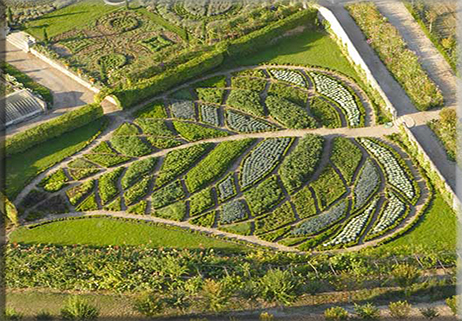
{"x":425,"y":161}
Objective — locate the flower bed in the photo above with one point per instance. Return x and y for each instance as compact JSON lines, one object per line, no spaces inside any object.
{"x":262,"y":160}
{"x":178,"y":161}
{"x":394,"y":172}
{"x":227,"y":187}
{"x":233,"y":211}
{"x":138,"y":170}
{"x":336,"y":91}
{"x":393,"y":212}
{"x":209,"y":115}
{"x":300,"y":164}
{"x":102,"y":148}
{"x":352,"y":230}
{"x":322,"y":221}
{"x":243,"y":228}
{"x":246,"y":124}
{"x":367,"y":184}
{"x":183,"y":109}
{"x":152,"y":110}
{"x":265,"y":196}
{"x":291,"y":76}
{"x":289,"y":114}
{"x":107,"y":185}
{"x":167,"y":195}
{"x":274,"y":235}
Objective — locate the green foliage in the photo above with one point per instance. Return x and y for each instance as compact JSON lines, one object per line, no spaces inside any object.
{"x":148,"y":304}
{"x":107,"y":160}
{"x":324,"y":113}
{"x":167,"y":195}
{"x":403,"y":63}
{"x":10,"y":210}
{"x":274,"y":235}
{"x":288,"y":113}
{"x":55,"y":181}
{"x":216,"y":295}
{"x":194,"y":132}
{"x":77,"y":308}
{"x":178,"y":161}
{"x":215,"y":164}
{"x":210,"y":95}
{"x":112,"y":61}
{"x":115,"y":205}
{"x":264,"y":196}
{"x":336,"y":313}
{"x":346,"y":156}
{"x":304,"y":203}
{"x":367,"y":311}
{"x":156,"y":43}
{"x":445,"y":129}
{"x":154,"y":127}
{"x":137,"y":170}
{"x":130,"y":145}
{"x":200,"y":202}
{"x":137,"y":191}
{"x":400,"y":309}
{"x":76,"y":193}
{"x":81,"y":163}
{"x":126,"y":129}
{"x":290,"y":93}
{"x":44,"y":315}
{"x":53,"y":128}
{"x":279,"y":287}
{"x":107,"y":185}
{"x":452,"y":304}
{"x":163,"y":143}
{"x":279,"y":217}
{"x":89,"y":204}
{"x":246,"y":100}
{"x":429,"y":313}
{"x":205,"y":220}
{"x":213,"y":82}
{"x":102,"y":148}
{"x":81,"y":173}
{"x":139,"y":208}
{"x":152,"y":110}
{"x":175,"y":211}
{"x":242,"y":228}
{"x":299,"y":165}
{"x":157,"y":19}
{"x":12,"y":314}
{"x":328,"y":187}
{"x":248,"y":83}
{"x":405,"y":275}
{"x":182,"y":94}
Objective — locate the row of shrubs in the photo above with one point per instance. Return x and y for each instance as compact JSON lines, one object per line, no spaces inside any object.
{"x":128,"y":97}
{"x":53,"y":128}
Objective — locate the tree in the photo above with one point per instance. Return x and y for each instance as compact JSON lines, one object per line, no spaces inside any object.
{"x":431,"y":16}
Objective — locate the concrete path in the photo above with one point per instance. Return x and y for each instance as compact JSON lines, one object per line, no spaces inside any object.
{"x":67,"y":93}
{"x":396,"y":94}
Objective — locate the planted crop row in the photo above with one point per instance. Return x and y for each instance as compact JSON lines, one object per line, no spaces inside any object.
{"x":322,"y":221}
{"x":289,"y":114}
{"x":367,"y":183}
{"x":245,"y":123}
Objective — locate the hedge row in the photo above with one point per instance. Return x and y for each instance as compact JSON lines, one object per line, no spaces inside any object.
{"x":53,"y":128}
{"x":128,"y":97}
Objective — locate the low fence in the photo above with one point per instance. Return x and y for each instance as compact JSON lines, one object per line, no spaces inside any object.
{"x":425,"y":161}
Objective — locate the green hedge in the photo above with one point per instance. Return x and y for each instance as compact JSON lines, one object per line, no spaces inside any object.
{"x":53,"y":128}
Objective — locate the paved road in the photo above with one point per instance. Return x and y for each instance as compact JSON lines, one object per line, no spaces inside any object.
{"x":67,"y":93}
{"x":395,"y":92}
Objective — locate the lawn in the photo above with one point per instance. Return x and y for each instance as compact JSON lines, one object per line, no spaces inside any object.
{"x":436,"y":232}
{"x":309,"y":48}
{"x":106,"y":231}
{"x":23,"y":167}
{"x":76,"y":15}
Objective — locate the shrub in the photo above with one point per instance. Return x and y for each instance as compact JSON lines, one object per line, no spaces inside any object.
{"x":167,"y":195}
{"x":137,"y":170}
{"x":247,"y":101}
{"x":215,"y":295}
{"x":215,"y":163}
{"x":367,"y":312}
{"x":452,"y":304}
{"x":175,"y":211}
{"x":107,"y":185}
{"x":233,"y":211}
{"x":336,"y":313}
{"x":393,"y":51}
{"x":107,"y":160}
{"x":137,"y":191}
{"x":77,"y":308}
{"x":152,"y":110}
{"x":53,"y":128}
{"x":346,"y":156}
{"x":405,"y":276}
{"x":54,"y":182}
{"x":178,"y":161}
{"x":156,"y":127}
{"x":210,"y":95}
{"x":130,"y":145}
{"x":300,"y":164}
{"x":328,"y":187}
{"x":279,"y":287}
{"x":265,"y":316}
{"x":264,"y":196}
{"x":194,"y":132}
{"x":325,"y":113}
{"x":400,"y":309}
{"x":200,"y":202}
{"x":148,"y":304}
{"x":289,"y":114}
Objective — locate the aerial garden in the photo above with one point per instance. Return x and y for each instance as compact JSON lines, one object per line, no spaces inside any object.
{"x":239,"y":189}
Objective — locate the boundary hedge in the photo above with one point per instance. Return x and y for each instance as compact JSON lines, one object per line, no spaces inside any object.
{"x":53,"y":128}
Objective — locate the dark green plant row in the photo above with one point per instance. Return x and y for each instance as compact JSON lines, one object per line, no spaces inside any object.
{"x":53,"y":128}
